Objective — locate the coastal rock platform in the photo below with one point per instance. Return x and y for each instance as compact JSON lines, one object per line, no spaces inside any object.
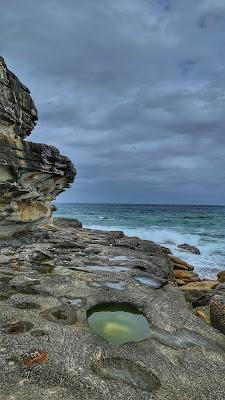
{"x":51,"y":278}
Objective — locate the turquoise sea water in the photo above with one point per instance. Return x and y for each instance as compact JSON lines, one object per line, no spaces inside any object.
{"x":202,"y":226}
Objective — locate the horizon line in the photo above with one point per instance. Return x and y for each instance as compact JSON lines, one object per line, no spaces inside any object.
{"x":142,"y":204}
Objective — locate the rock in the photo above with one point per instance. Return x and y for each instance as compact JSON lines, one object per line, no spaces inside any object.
{"x":221,"y":276}
{"x":189,"y":248}
{"x":186,"y":276}
{"x":48,"y":350}
{"x":202,"y":314}
{"x":178,"y":263}
{"x":18,"y":114}
{"x":203,"y":286}
{"x":194,"y":290}
{"x":68,"y":222}
{"x":203,"y":300}
{"x":180,"y":282}
{"x":31,"y":175}
{"x":217,"y":313}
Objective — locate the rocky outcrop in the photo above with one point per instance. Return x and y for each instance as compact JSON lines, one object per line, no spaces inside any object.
{"x":48,"y":348}
{"x":18,"y":113}
{"x":31,"y":175}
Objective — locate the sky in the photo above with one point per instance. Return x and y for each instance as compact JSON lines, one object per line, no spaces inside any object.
{"x":133,"y":91}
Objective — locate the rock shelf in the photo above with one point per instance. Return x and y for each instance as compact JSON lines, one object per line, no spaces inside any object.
{"x":48,"y":350}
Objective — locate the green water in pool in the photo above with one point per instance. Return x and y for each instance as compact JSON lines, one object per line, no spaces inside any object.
{"x":118,"y":323}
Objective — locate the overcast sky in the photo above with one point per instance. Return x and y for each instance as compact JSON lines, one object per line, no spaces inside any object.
{"x":133,"y":91}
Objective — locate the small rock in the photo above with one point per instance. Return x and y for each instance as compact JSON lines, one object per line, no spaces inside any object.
{"x":180,"y":282}
{"x":203,"y":315}
{"x":38,"y":357}
{"x":186,"y":276}
{"x":189,"y":248}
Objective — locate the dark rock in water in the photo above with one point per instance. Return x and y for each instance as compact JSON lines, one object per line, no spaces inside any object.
{"x":189,"y":248}
{"x":31,"y":174}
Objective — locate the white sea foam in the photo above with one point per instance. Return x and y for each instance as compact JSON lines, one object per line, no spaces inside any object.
{"x":208,"y":264}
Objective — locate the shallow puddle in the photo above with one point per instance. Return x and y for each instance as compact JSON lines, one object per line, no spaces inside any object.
{"x":120,"y":258}
{"x":103,"y":268}
{"x":118,"y":323}
{"x":149,"y":282}
{"x":109,"y":285}
{"x":74,"y":301}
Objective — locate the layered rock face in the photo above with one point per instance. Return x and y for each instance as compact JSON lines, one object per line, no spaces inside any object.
{"x":31,"y":175}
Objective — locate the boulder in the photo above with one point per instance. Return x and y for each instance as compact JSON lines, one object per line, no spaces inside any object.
{"x":178,"y":263}
{"x":194,"y":290}
{"x":31,"y":174}
{"x":189,"y":248}
{"x":203,"y":286}
{"x":186,"y":276}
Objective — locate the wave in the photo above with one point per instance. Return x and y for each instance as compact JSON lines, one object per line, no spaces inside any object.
{"x":208,"y":264}
{"x":161,"y":236}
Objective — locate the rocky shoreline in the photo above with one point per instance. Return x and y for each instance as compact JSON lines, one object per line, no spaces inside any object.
{"x":88,"y":314}
{"x":52,"y":277}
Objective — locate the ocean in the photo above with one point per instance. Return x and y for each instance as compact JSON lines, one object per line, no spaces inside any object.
{"x":201,"y":226}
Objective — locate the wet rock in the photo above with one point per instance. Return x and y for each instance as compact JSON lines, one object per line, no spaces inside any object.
{"x":189,"y":248}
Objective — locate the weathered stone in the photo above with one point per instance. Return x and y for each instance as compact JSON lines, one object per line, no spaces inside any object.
{"x":186,"y":276}
{"x":180,"y":264}
{"x":202,"y":314}
{"x":31,"y":175}
{"x":189,"y":248}
{"x":18,"y":114}
{"x":49,"y":352}
{"x":203,"y":286}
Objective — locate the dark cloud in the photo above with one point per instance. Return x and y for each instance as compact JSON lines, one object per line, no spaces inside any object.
{"x":132,"y":90}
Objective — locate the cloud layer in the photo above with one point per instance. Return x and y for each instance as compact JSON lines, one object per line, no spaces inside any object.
{"x":132,"y":90}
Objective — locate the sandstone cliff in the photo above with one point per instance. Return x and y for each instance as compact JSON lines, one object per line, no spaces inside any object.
{"x":31,"y":174}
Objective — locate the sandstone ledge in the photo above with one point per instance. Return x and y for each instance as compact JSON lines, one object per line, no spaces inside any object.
{"x":43,"y":358}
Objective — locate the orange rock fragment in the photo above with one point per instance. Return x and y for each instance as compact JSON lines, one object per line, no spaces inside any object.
{"x":38,"y":357}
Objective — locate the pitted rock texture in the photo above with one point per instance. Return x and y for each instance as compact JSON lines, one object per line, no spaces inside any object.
{"x":18,"y":113}
{"x":31,"y":174}
{"x":49,"y":352}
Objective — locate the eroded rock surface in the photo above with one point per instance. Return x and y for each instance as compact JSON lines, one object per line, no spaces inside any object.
{"x":31,"y":174}
{"x":48,"y":350}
